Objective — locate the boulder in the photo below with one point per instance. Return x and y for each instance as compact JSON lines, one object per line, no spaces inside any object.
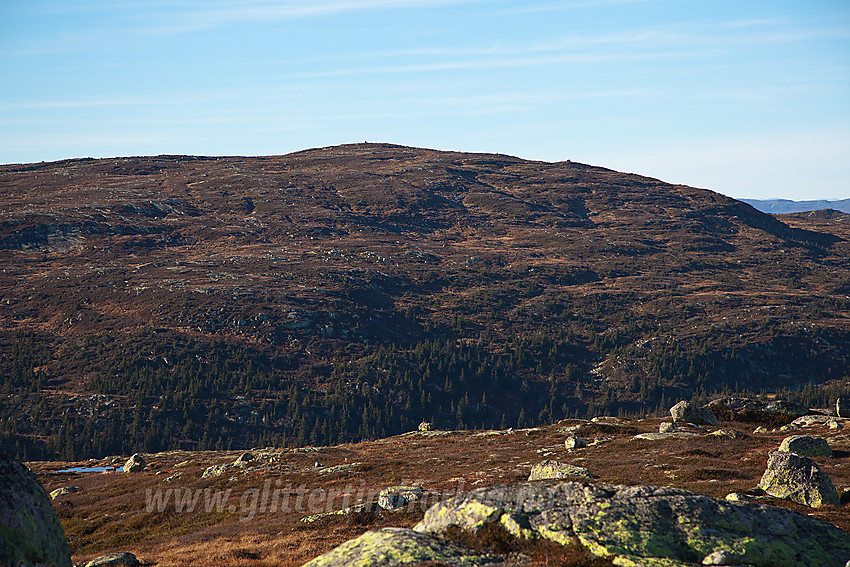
{"x":64,"y":491}
{"x":425,"y":426}
{"x":810,"y":420}
{"x":573,"y":442}
{"x":396,"y":497}
{"x":646,"y":525}
{"x":389,"y":547}
{"x":216,"y":470}
{"x":134,"y":464}
{"x":799,"y":480}
{"x":806,"y":446}
{"x":30,"y":532}
{"x":243,"y":459}
{"x":554,"y":469}
{"x":115,"y":560}
{"x":668,"y":427}
{"x":689,"y":412}
{"x":842,"y":407}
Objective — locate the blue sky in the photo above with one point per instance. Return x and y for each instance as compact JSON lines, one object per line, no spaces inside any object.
{"x":749,"y":98}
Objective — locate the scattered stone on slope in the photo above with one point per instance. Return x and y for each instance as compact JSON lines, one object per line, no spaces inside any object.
{"x":660,"y":436}
{"x":799,"y":480}
{"x":573,"y":442}
{"x":115,"y":560}
{"x":806,"y":446}
{"x":645,"y":525}
{"x":216,"y":470}
{"x":842,"y":407}
{"x":64,"y":491}
{"x":30,"y":532}
{"x":389,"y":547}
{"x":557,"y":470}
{"x":668,"y":427}
{"x":689,"y":412}
{"x":136,"y":463}
{"x":425,"y":426}
{"x":396,"y":497}
{"x":727,"y":433}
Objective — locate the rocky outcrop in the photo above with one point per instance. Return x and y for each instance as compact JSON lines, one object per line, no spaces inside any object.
{"x":645,"y":525}
{"x":30,"y":533}
{"x":136,"y":463}
{"x":806,"y":446}
{"x":389,"y":547}
{"x":120,"y":559}
{"x":554,"y":469}
{"x":689,"y":412}
{"x":749,"y":409}
{"x":799,"y":480}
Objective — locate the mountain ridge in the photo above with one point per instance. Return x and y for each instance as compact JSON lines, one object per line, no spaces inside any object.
{"x":349,"y":292}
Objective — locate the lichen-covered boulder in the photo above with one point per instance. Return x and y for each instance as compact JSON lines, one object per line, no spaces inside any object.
{"x":555,"y":469}
{"x":645,"y":525}
{"x":30,"y":532}
{"x":136,"y":463}
{"x":799,"y":480}
{"x":64,"y":491}
{"x":806,"y":446}
{"x":389,"y":547}
{"x":668,"y":427}
{"x":727,"y":433}
{"x":396,"y":497}
{"x":573,"y":442}
{"x":425,"y":426}
{"x":120,"y":559}
{"x":689,"y":412}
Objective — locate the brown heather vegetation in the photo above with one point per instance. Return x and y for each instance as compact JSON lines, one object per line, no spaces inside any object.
{"x":347,"y":293}
{"x":110,"y":513}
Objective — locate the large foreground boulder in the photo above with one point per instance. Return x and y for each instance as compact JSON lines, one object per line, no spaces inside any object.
{"x":799,"y":480}
{"x":645,"y":525}
{"x":30,"y":533}
{"x":389,"y":547}
{"x":118,"y":559}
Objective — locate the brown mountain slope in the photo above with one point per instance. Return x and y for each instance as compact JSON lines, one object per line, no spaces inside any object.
{"x":351,"y":291}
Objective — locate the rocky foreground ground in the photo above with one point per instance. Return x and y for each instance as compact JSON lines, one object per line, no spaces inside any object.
{"x":277,"y":506}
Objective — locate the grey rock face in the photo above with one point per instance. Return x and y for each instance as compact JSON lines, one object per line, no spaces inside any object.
{"x":806,"y":446}
{"x":30,"y":533}
{"x":799,"y":480}
{"x":397,"y":497}
{"x":390,"y":547}
{"x":689,"y":412}
{"x":646,"y":525}
{"x":121,"y":558}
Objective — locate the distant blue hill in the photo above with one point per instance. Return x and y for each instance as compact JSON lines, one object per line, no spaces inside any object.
{"x":779,"y":206}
